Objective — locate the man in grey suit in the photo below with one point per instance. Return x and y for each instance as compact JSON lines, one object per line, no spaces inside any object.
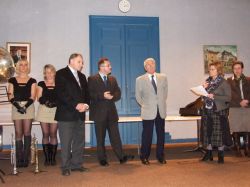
{"x":151,"y":94}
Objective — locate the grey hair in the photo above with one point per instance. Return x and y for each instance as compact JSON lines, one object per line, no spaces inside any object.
{"x":147,"y":60}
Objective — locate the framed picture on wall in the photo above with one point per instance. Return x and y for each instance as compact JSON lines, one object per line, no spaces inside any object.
{"x":225,"y":53}
{"x":19,"y":51}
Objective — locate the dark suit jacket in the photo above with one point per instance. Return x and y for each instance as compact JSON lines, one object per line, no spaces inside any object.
{"x":69,"y":94}
{"x":102,"y":109}
{"x":15,"y":58}
{"x":235,"y":87}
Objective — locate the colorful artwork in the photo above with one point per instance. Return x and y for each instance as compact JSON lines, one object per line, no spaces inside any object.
{"x":224,"y":53}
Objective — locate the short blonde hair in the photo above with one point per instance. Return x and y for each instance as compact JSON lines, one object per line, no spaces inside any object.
{"x":48,"y":66}
{"x":219,"y":66}
{"x":147,"y":60}
{"x":18,"y":66}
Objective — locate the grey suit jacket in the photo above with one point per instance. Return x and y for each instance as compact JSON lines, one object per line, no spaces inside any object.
{"x":222,"y":96}
{"x":148,"y":100}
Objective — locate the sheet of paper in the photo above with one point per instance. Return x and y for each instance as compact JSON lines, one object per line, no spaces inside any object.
{"x":199,"y":90}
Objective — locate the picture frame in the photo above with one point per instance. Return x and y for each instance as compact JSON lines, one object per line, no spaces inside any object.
{"x":224,"y":53}
{"x":19,"y":50}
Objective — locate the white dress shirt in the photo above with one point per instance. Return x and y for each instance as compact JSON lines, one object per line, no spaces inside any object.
{"x":150,"y":77}
{"x":75,"y":75}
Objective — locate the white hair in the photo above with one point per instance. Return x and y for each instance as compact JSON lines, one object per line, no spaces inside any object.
{"x":148,"y":60}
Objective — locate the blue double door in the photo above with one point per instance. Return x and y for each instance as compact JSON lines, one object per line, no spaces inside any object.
{"x":126,"y":42}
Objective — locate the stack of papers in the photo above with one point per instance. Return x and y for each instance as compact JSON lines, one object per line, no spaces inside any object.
{"x":199,"y":90}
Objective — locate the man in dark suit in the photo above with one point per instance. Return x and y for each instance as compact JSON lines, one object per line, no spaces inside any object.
{"x":18,"y":56}
{"x":104,"y":92}
{"x":73,"y":99}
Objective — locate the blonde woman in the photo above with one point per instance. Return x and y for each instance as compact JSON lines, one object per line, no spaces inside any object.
{"x":216,"y":132}
{"x":46,"y":96}
{"x":22,"y":91}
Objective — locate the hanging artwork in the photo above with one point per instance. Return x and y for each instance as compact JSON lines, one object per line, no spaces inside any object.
{"x":19,"y":51}
{"x":224,"y":53}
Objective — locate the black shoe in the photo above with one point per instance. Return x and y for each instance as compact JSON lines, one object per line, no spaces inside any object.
{"x":208,"y":156}
{"x":26,"y":150}
{"x":162,"y":161}
{"x":220,"y":157}
{"x":46,"y":154}
{"x":126,"y":158}
{"x":66,"y":172}
{"x":104,"y":163}
{"x":81,"y":169}
{"x":53,"y":149}
{"x":145,"y":161}
{"x":19,"y":153}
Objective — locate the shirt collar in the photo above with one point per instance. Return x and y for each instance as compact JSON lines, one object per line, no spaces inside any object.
{"x":102,"y":75}
{"x":150,"y":75}
{"x":72,"y":70}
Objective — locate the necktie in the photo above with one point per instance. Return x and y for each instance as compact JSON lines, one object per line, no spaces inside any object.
{"x":105,"y":80}
{"x":154,"y":85}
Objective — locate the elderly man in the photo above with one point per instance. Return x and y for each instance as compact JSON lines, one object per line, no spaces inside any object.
{"x":72,"y":103}
{"x":151,"y":94}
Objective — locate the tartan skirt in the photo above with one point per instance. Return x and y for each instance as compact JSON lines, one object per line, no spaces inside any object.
{"x":215,"y":128}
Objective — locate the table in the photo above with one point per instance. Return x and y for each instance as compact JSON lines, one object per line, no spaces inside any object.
{"x":126,"y":120}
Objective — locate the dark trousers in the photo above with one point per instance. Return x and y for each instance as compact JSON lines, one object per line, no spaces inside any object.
{"x":100,"y":129}
{"x":147,"y":134}
{"x":72,"y":138}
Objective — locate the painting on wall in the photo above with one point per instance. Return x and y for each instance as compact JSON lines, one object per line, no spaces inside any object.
{"x":225,"y":53}
{"x":19,"y":51}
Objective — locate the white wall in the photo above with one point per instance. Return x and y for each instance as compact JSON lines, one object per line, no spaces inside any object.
{"x":58,"y":28}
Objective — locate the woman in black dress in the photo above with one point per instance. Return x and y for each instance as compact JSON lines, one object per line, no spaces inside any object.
{"x":46,"y":113}
{"x":22,"y":91}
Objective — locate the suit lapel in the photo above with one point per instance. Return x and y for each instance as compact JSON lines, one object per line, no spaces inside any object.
{"x":81,"y":80}
{"x":109,"y":82}
{"x":100,"y":80}
{"x":158,"y":80}
{"x":72,"y":77}
{"x":149,"y":83}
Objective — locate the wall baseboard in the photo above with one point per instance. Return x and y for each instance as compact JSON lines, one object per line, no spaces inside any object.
{"x":88,"y":145}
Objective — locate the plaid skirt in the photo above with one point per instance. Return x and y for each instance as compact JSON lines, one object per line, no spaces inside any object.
{"x":215,"y":128}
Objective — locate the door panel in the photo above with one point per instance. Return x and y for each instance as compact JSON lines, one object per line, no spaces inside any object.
{"x":127,"y":42}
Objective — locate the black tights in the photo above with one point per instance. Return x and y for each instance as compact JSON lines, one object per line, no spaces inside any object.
{"x":49,"y":133}
{"x":22,"y":128}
